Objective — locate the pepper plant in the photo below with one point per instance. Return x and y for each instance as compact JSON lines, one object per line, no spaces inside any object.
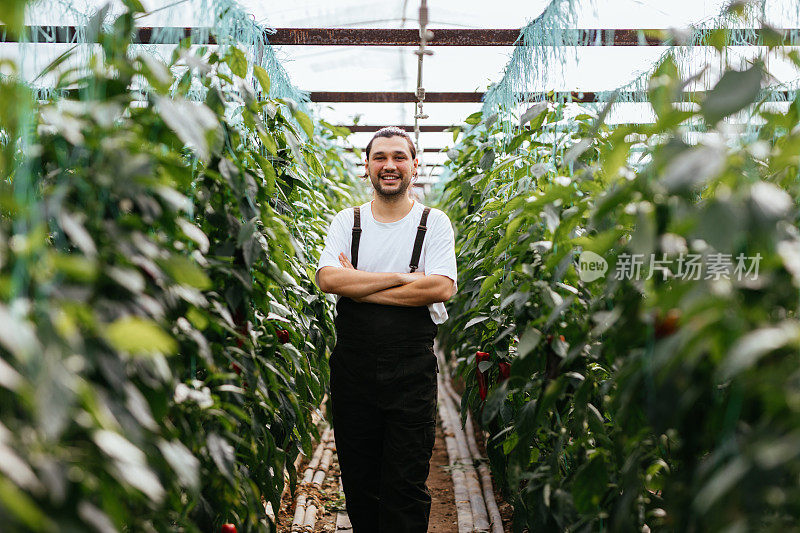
{"x":162,"y":344}
{"x":660,"y":395}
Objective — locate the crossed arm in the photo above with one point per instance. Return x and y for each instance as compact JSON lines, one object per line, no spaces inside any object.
{"x":388,"y":288}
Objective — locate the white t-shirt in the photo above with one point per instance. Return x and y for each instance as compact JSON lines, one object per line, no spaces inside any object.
{"x":387,"y":246}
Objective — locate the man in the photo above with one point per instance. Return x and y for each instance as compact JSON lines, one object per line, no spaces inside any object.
{"x":392,"y":263}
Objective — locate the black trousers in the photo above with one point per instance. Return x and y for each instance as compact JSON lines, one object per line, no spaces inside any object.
{"x":383,"y":399}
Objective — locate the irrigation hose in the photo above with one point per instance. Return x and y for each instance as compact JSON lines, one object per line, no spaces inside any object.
{"x":484,"y":514}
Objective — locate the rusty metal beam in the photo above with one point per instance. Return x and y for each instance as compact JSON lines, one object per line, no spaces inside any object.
{"x":475,"y":97}
{"x":395,"y":97}
{"x":404,"y":37}
{"x":70,"y":34}
{"x":392,"y":37}
{"x":358,"y":128}
{"x":426,"y":150}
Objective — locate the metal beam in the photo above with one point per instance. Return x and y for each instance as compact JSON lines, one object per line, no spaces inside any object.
{"x":358,"y":128}
{"x":475,"y":97}
{"x":475,"y":37}
{"x":410,"y":37}
{"x":426,"y":150}
{"x":395,"y":97}
{"x":392,"y":37}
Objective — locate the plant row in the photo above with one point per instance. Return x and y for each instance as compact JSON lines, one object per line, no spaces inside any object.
{"x":627,"y":318}
{"x":162,"y":345}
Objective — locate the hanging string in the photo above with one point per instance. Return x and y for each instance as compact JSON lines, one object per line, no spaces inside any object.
{"x":224,"y":20}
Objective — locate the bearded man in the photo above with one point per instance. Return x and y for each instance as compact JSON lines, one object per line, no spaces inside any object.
{"x":391,"y":261}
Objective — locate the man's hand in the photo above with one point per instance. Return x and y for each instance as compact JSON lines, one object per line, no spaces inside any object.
{"x":345,"y":261}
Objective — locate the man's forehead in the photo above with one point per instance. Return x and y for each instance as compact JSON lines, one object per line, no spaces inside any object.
{"x":390,"y":144}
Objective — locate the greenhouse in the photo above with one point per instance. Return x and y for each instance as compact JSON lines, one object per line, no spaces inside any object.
{"x":378,"y":267}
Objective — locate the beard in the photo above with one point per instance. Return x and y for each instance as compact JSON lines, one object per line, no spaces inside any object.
{"x":394,"y":191}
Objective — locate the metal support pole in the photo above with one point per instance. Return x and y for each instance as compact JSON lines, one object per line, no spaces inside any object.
{"x":424,"y":36}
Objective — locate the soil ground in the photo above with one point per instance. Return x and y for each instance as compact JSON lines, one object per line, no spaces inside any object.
{"x":443,"y":511}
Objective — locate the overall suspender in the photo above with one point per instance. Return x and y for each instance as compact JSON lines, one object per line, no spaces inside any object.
{"x":421,"y":229}
{"x":356,"y":236}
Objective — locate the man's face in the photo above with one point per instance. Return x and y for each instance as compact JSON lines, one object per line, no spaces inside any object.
{"x":390,"y":166}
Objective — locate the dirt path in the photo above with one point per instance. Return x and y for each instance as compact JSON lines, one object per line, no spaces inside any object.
{"x":443,"y":511}
{"x":440,"y":484}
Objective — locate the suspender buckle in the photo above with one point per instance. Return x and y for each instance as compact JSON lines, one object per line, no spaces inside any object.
{"x":357,"y":230}
{"x":422,"y":228}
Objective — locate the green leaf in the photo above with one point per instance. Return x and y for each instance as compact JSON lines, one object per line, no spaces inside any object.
{"x":185,"y":272}
{"x":134,"y":6}
{"x":23,"y":509}
{"x":474,"y":118}
{"x":269,"y":174}
{"x":222,"y":454}
{"x":722,"y":482}
{"x":490,"y":282}
{"x":525,"y":420}
{"x":197,"y":318}
{"x":664,"y":83}
{"x":305,"y":122}
{"x":487,"y":160}
{"x":590,"y":485}
{"x":532,"y":112}
{"x":194,"y":233}
{"x":138,"y":335}
{"x":494,"y":402}
{"x":191,"y":122}
{"x":750,"y":348}
{"x":237,"y":61}
{"x":262,"y":77}
{"x":719,"y":38}
{"x":735,"y":91}
{"x":510,"y":443}
{"x":269,"y":142}
{"x":476,"y":320}
{"x":75,"y":267}
{"x":12,"y":14}
{"x":530,"y":340}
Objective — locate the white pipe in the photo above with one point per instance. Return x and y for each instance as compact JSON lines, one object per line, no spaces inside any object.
{"x":305,"y":515}
{"x":483,"y":470}
{"x":317,"y":419}
{"x":480,"y":517}
{"x":487,"y":503}
{"x":460,"y":492}
{"x":299,"y":512}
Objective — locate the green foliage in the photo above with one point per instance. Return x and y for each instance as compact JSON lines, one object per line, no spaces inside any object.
{"x":12,"y":15}
{"x":150,"y":248}
{"x":668,"y":402}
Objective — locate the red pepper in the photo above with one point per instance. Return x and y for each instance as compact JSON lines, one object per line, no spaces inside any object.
{"x":666,"y":325}
{"x":283,"y":336}
{"x":228,"y":528}
{"x":236,"y":368}
{"x":482,"y":384}
{"x":505,"y":370}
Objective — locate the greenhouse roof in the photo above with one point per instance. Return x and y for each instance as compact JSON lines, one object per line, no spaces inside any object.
{"x":462,"y":69}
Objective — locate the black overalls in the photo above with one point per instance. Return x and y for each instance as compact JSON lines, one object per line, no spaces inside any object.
{"x":383,"y":399}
